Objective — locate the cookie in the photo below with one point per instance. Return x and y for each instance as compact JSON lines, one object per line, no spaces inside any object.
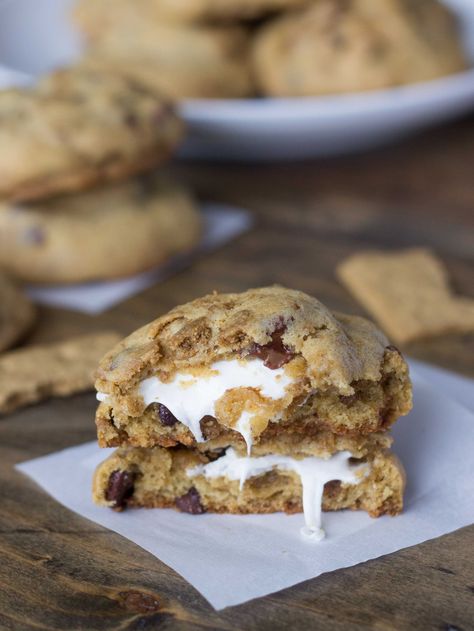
{"x":108,"y":232}
{"x":227,"y":482}
{"x":407,"y":292}
{"x":81,"y":126}
{"x":246,"y":367}
{"x":183,"y":61}
{"x":17,"y":314}
{"x":34,"y":373}
{"x":337,"y":46}
{"x":99,"y":14}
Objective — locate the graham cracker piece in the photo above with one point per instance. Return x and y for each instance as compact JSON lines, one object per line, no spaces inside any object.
{"x":35,"y":373}
{"x":407,"y":292}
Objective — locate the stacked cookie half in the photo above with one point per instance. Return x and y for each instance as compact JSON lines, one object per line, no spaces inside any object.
{"x":77,"y":157}
{"x":257,"y":402}
{"x":276,"y":48}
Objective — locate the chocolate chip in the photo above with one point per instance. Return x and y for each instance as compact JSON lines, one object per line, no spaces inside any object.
{"x":34,"y":235}
{"x":385,"y":416}
{"x":120,"y":488}
{"x":131,"y":120}
{"x":274,"y":354}
{"x":162,"y":113}
{"x":332,"y":488}
{"x":348,"y":400}
{"x":190,"y":502}
{"x":139,"y":602}
{"x":167,"y":419}
{"x":145,"y":187}
{"x":210,"y":428}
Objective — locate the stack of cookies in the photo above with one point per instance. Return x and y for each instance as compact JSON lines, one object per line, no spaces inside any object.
{"x":237,"y":48}
{"x":79,"y":201}
{"x":257,"y":402}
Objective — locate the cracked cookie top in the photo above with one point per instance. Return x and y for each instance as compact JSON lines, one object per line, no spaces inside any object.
{"x":282,"y":327}
{"x":80,"y":126}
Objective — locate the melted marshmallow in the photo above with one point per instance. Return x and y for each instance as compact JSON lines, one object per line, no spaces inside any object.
{"x":189,"y":398}
{"x":314,"y":473}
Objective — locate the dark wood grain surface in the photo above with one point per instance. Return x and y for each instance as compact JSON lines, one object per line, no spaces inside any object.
{"x":59,"y":571}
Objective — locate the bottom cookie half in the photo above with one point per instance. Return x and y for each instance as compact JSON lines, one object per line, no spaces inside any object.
{"x":224,"y":481}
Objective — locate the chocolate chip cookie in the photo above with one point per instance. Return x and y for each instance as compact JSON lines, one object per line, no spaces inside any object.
{"x":250,"y":367}
{"x":257,"y":402}
{"x":196,"y":483}
{"x":182,"y":60}
{"x":108,"y":232}
{"x":336,"y":46}
{"x":81,"y":126}
{"x":17,"y":314}
{"x":101,"y":13}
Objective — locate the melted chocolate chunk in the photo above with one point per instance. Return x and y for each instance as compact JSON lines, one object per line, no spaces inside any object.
{"x":274,"y":354}
{"x":166,"y":418}
{"x":348,"y":400}
{"x":332,"y":488}
{"x":210,"y":428}
{"x":190,"y":502}
{"x":120,"y":488}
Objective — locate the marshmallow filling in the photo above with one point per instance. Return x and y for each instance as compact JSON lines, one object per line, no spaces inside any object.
{"x":190,"y":398}
{"x":314,"y":473}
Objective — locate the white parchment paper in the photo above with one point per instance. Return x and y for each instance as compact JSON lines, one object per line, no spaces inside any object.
{"x":221,"y":224}
{"x":249,"y":556}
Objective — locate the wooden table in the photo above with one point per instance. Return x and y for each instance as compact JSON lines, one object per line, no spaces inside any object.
{"x":59,"y":571}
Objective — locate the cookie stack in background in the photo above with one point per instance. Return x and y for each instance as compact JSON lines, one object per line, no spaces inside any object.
{"x":80,"y":198}
{"x":257,"y":402}
{"x":235,"y":48}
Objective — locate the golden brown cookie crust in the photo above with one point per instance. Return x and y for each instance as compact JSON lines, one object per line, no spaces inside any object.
{"x":78,"y":127}
{"x":81,"y":238}
{"x":337,"y":46}
{"x":338,"y":349}
{"x":181,"y":60}
{"x":96,"y":15}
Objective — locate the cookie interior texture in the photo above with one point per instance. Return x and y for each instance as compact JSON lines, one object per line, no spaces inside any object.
{"x":77,"y":238}
{"x":81,"y":126}
{"x":335,"y":46}
{"x":343,"y":376}
{"x":160,"y":478}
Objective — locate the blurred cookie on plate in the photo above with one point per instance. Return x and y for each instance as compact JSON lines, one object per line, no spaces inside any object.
{"x":115,"y":231}
{"x":17,"y":314}
{"x":336,"y":46}
{"x":81,"y":126}
{"x":182,"y":60}
{"x":99,"y":14}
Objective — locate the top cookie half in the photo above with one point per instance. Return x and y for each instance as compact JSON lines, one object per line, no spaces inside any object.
{"x":242,"y":367}
{"x":79,"y":127}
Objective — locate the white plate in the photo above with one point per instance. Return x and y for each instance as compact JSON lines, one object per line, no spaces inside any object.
{"x":35,"y":36}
